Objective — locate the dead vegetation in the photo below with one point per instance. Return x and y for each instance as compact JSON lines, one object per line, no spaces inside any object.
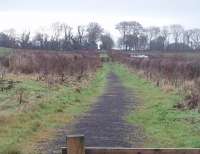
{"x":24,"y":73}
{"x":50,"y":65}
{"x":169,"y":72}
{"x":22,"y":68}
{"x":42,"y":89}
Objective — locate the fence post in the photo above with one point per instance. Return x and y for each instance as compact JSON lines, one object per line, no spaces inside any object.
{"x":63,"y":150}
{"x":75,"y":144}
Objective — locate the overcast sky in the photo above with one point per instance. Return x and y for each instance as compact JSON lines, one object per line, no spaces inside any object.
{"x":31,"y":14}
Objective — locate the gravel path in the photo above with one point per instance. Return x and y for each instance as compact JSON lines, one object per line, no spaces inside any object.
{"x":104,"y":125}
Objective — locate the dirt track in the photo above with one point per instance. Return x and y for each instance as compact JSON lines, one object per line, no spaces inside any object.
{"x":104,"y":125}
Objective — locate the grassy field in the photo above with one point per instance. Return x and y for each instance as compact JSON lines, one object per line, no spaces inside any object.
{"x":4,"y":51}
{"x":164,"y":126}
{"x":42,"y":110}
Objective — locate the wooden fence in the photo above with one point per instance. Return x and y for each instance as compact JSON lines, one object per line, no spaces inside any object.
{"x":75,"y":145}
{"x":7,"y":84}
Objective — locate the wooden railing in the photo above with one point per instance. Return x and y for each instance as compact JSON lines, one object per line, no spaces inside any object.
{"x":75,"y":145}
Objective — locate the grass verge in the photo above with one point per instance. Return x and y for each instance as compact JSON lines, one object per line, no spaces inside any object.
{"x":58,"y":106}
{"x":5,"y":51}
{"x":164,"y":126}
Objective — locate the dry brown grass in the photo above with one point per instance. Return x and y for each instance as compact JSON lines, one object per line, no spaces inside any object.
{"x":169,"y":71}
{"x":51,"y":67}
{"x":167,"y":87}
{"x":21,"y":77}
{"x":4,"y":119}
{"x":53,"y":62}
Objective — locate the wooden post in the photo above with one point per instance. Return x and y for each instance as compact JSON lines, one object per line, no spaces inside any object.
{"x":63,"y":150}
{"x":75,"y":144}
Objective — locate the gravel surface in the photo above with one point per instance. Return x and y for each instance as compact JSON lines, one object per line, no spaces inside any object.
{"x":104,"y":124}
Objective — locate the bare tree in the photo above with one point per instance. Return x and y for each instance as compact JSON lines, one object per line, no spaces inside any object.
{"x":158,"y":44}
{"x":67,"y":31}
{"x":56,"y":33}
{"x":152,"y":33}
{"x":56,"y":30}
{"x":46,"y":40}
{"x":132,"y":42}
{"x":123,"y":28}
{"x":40,"y":40}
{"x":120,"y":43}
{"x":80,"y":38}
{"x":142,"y":42}
{"x":25,"y":40}
{"x":135,"y":30}
{"x":187,"y":37}
{"x":11,"y":33}
{"x":133,"y":37}
{"x":94,"y":31}
{"x":130,"y":32}
{"x":165,"y":33}
{"x":81,"y":33}
{"x":177,"y":33}
{"x":195,"y":37}
{"x":107,"y":42}
{"x":4,"y":40}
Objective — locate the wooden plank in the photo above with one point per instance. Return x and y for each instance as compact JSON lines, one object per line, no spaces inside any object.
{"x":75,"y":144}
{"x":64,"y":150}
{"x":140,"y":151}
{"x":95,"y":150}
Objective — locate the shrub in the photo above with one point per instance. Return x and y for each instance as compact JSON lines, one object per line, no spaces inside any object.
{"x":53,"y":63}
{"x":174,"y":69}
